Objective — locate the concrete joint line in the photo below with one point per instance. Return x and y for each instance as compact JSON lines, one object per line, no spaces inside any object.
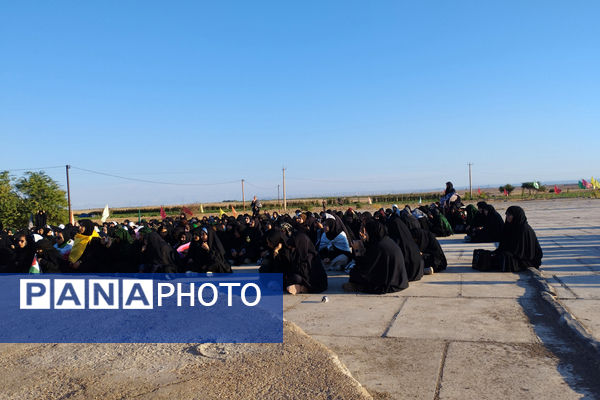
{"x":387,"y":330}
{"x":564,"y":316}
{"x":565,"y":286}
{"x":438,"y":385}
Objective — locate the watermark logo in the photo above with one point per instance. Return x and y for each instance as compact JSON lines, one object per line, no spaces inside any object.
{"x":142,"y":308}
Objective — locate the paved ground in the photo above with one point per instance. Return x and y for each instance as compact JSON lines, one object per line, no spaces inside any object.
{"x":464,"y":334}
{"x":460,"y":334}
{"x":300,"y":368}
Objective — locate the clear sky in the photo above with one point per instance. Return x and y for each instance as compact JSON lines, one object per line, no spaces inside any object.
{"x":351,"y":96}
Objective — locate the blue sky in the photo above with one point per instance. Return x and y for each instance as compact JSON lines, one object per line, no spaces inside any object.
{"x":350,"y":96}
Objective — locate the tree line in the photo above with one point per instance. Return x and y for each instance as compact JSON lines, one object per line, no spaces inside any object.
{"x":22,"y":197}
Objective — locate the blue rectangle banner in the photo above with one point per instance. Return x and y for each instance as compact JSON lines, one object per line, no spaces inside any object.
{"x":141,"y":308}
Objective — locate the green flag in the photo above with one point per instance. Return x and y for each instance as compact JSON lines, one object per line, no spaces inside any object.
{"x":580,"y":185}
{"x":536,"y":185}
{"x":35,"y":266}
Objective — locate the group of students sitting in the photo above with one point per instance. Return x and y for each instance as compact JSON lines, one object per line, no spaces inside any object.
{"x":381,"y":252}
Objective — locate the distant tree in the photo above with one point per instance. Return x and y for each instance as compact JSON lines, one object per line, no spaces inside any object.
{"x":508,"y":187}
{"x":10,"y":203}
{"x":529,"y":186}
{"x":40,"y":192}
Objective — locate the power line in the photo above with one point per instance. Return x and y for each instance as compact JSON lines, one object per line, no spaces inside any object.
{"x":153,"y":182}
{"x":342,"y":181}
{"x":256,"y":186}
{"x":32,"y":169}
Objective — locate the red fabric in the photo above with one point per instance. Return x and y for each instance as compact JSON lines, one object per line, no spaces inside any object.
{"x":163,"y":214}
{"x":557,"y":190}
{"x":187,"y":210}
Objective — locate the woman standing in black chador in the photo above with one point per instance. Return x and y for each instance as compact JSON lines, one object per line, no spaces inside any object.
{"x":519,"y":248}
{"x":381,"y":269}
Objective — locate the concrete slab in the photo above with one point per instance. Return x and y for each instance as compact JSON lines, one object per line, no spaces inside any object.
{"x":392,"y":367}
{"x":300,"y":368}
{"x":586,"y":311}
{"x":470,"y":319}
{"x":345,"y":315}
{"x":443,"y":284}
{"x":502,"y":371}
{"x":585,"y":286}
{"x":497,"y":285}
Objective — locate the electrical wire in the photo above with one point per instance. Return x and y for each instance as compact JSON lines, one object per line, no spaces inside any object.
{"x":32,"y":169}
{"x":150,"y":181}
{"x":259,"y":187}
{"x":340,"y":180}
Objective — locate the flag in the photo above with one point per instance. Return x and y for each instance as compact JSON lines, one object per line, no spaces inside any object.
{"x":183,"y":248}
{"x":235,"y":214}
{"x":201,"y":209}
{"x":420,"y":201}
{"x":557,"y":190}
{"x":187,"y":211}
{"x":536,"y":185}
{"x":163,"y":214}
{"x":221,"y":212}
{"x":35,"y":267}
{"x":479,"y":191}
{"x":369,"y":200}
{"x":595,"y":183}
{"x":580,"y":184}
{"x":505,"y":192}
{"x":105,"y":214}
{"x":586,"y":184}
{"x":30,"y":223}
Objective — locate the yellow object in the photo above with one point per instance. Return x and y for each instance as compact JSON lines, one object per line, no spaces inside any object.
{"x":81,"y":242}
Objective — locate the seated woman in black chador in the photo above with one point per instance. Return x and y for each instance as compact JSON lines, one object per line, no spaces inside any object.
{"x":206,"y":253}
{"x":519,"y":248}
{"x":297,"y":259}
{"x":491,"y":229}
{"x":381,"y":269}
{"x":433,"y":255}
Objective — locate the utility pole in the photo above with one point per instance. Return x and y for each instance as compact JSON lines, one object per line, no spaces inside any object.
{"x":69,"y":192}
{"x":278,"y":202}
{"x":284,"y":198}
{"x":470,"y":181}
{"x":243,"y":196}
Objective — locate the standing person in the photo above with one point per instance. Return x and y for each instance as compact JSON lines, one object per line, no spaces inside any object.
{"x":447,"y":197}
{"x":41,"y":219}
{"x":256,"y":206}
